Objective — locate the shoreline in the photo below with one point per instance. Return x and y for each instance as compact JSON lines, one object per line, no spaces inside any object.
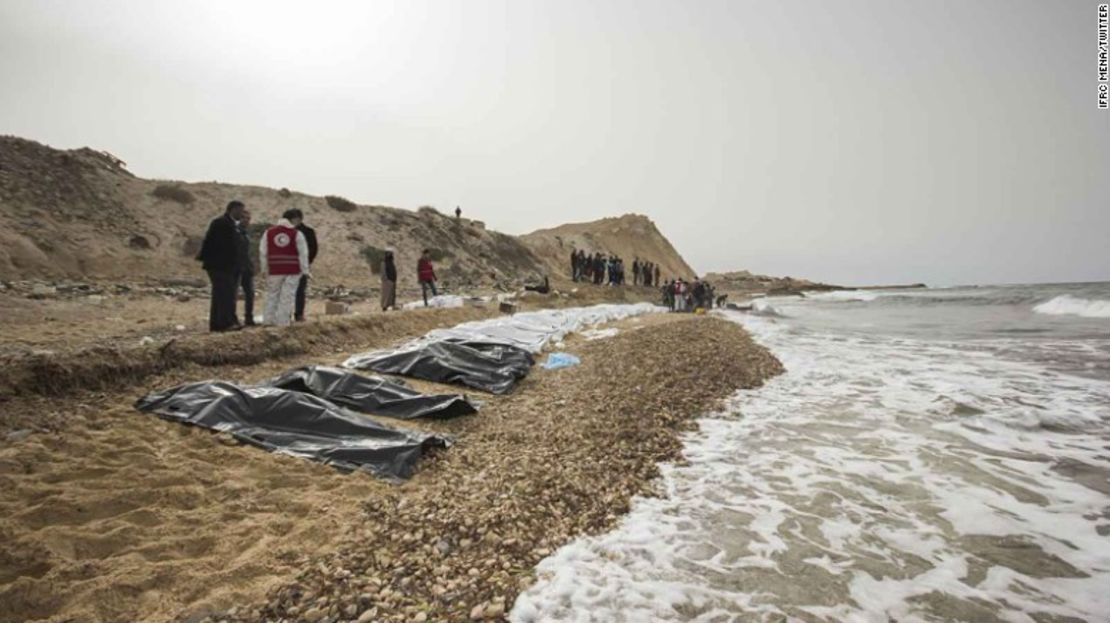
{"x":286,"y":538}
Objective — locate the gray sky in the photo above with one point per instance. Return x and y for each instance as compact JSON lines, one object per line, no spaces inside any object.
{"x":857,"y":141}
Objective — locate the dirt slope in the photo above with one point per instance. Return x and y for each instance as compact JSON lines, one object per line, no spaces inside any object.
{"x":80,"y":214}
{"x":629,"y":236}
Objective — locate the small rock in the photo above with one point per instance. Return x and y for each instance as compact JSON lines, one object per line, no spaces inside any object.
{"x":147,"y":340}
{"x":495,"y":610}
{"x":19,"y":435}
{"x":368,"y":615}
{"x":443,"y":547}
{"x":477,"y":612}
{"x":179,"y":327}
{"x":420,"y":617}
{"x":313,"y":615}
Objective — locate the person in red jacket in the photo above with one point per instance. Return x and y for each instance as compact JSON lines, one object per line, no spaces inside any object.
{"x":426,"y":275}
{"x":283,"y":254}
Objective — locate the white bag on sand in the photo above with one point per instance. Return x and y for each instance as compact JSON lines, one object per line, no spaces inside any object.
{"x":442,"y":301}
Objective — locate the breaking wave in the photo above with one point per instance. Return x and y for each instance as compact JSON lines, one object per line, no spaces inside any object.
{"x":1068,"y":305}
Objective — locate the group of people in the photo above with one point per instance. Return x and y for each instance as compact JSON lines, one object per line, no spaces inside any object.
{"x":288,"y":248}
{"x":286,"y":252}
{"x":596,"y":268}
{"x":680,"y":295}
{"x":425,"y":275}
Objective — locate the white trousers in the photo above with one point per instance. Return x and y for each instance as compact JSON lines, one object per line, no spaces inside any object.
{"x":281,"y":296}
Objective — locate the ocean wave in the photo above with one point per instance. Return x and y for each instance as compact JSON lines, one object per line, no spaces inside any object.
{"x":763,"y":308}
{"x":1068,"y":305}
{"x":843,"y":295}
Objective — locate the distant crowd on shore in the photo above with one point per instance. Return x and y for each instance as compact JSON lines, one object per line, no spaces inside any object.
{"x":287,"y":250}
{"x":598,"y":269}
{"x":682,"y":296}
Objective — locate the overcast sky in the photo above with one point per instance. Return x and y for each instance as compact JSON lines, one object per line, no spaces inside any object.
{"x":856,"y":141}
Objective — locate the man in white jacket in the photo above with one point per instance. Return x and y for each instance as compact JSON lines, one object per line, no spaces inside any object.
{"x":283,"y":254}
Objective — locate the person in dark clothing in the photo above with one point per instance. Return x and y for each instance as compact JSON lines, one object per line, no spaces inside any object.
{"x":219,"y":257}
{"x":636,"y":271}
{"x":389,"y":282}
{"x":302,"y":288}
{"x":573,"y":264}
{"x":246,"y":268}
{"x":656,"y":274}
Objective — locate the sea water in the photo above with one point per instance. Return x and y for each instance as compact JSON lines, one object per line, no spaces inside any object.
{"x":929,"y":455}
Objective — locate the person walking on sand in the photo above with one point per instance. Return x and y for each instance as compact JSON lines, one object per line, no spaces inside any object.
{"x":302,"y":287}
{"x":219,"y":255}
{"x":284,"y":256}
{"x":426,"y":275}
{"x":389,"y":282}
{"x":245,"y":279}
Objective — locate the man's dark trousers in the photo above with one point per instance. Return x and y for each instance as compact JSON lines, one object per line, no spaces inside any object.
{"x":221,"y":312}
{"x":302,"y":293}
{"x":246,"y":280}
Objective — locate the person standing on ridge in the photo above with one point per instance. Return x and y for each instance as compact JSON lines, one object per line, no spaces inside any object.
{"x":426,"y":275}
{"x":246,"y":268}
{"x":284,"y":256}
{"x":636,"y":271}
{"x":302,"y":287}
{"x":656,"y":273}
{"x":389,"y":282}
{"x":458,"y":213}
{"x":573,"y":264}
{"x":219,"y":254}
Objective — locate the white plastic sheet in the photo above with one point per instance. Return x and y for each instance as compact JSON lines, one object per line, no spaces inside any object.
{"x":441,"y":301}
{"x":531,"y":331}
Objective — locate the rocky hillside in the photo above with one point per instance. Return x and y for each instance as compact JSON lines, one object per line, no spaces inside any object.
{"x":629,"y":236}
{"x":744,"y":282}
{"x":79,"y":214}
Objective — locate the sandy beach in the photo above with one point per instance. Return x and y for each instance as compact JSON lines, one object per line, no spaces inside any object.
{"x":109,"y":514}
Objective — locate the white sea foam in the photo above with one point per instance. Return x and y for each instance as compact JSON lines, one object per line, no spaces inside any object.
{"x":760,"y":307}
{"x":1068,"y":305}
{"x":844,"y":295}
{"x":878,"y":479}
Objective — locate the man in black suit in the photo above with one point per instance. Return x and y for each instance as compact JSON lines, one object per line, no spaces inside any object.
{"x":302,"y":289}
{"x":219,"y":253}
